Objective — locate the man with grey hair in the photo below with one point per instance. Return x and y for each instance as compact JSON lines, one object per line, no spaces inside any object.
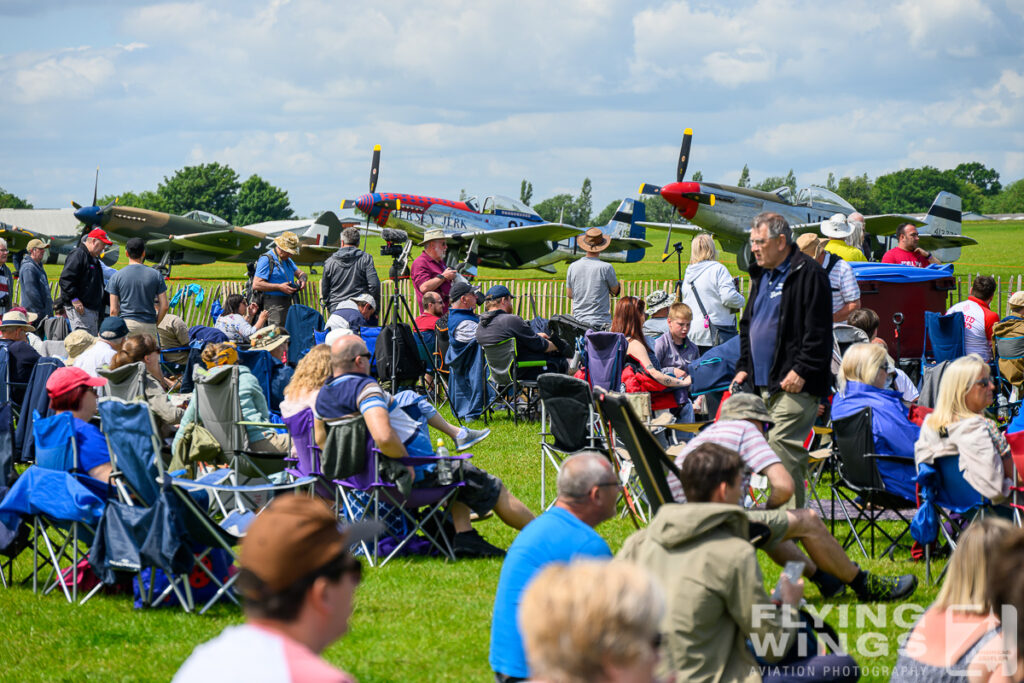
{"x":6,"y":280}
{"x":348,"y":273}
{"x":786,"y":340}
{"x":587,"y":494}
{"x":81,"y":282}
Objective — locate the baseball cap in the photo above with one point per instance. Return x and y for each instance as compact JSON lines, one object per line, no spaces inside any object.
{"x":101,"y":235}
{"x":365,"y":299}
{"x":293,"y":538}
{"x":64,"y":380}
{"x":113,"y":328}
{"x":745,"y":407}
{"x":461,"y":289}
{"x":36,"y":244}
{"x":498,"y":292}
{"x":1016,"y":300}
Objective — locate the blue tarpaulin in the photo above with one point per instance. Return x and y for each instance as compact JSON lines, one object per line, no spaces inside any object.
{"x":886,"y":272}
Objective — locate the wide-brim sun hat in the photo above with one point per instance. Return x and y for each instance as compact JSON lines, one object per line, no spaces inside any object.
{"x":288,"y":242}
{"x":836,"y":227}
{"x":593,"y":240}
{"x":15,"y":320}
{"x":658,"y":300}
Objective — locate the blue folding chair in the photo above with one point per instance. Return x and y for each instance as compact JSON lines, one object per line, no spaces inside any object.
{"x":944,"y":335}
{"x":301,"y":323}
{"x":606,"y":359}
{"x":947,"y":504}
{"x":64,"y":504}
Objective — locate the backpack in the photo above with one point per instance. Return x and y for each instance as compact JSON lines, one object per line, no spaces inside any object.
{"x":407,"y":364}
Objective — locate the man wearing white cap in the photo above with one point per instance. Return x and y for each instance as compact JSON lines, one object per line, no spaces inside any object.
{"x":353,"y":314}
{"x":35,"y":288}
{"x":81,"y":282}
{"x":278,"y":278}
{"x":429,"y":273}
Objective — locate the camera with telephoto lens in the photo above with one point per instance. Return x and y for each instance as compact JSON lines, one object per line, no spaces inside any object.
{"x":394,"y":239}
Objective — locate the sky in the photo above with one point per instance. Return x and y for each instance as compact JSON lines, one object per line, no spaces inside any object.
{"x":480,"y":95}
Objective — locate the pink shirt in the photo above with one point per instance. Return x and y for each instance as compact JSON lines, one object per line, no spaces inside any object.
{"x":424,"y":268}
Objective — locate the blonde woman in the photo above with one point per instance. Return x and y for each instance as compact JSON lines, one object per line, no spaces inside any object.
{"x":311,"y":374}
{"x":944,"y":644}
{"x":958,"y":428}
{"x":575,"y":634}
{"x":862,"y":380}
{"x":711,"y":294}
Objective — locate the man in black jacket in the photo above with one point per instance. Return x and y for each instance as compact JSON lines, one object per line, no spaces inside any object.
{"x":348,"y":273}
{"x":81,"y":283}
{"x":786,"y":340}
{"x":500,"y":323}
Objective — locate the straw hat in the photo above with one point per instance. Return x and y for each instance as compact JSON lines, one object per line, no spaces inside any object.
{"x":267,"y":339}
{"x":431,"y":235}
{"x":15,"y":320}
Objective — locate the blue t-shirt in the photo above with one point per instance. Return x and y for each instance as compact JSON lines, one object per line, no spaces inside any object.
{"x":137,"y":287}
{"x":282,"y":271}
{"x":555,"y":536}
{"x":764,"y":322}
{"x":92,"y":445}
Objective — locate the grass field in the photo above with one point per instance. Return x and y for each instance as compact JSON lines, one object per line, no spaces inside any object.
{"x":415,"y":619}
{"x":1000,"y":252}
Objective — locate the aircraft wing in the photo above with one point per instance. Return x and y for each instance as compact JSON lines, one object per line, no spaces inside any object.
{"x":933,"y":242}
{"x":881,"y":225}
{"x":523,"y":234}
{"x":18,"y":238}
{"x":627,"y":243}
{"x":687,"y":228}
{"x":220,"y":243}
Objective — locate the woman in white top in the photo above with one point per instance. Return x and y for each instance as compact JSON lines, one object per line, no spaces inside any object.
{"x":719,"y":298}
{"x":237,"y":319}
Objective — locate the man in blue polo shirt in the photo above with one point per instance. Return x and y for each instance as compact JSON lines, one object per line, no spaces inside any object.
{"x":587,"y":494}
{"x":278,"y":278}
{"x":786,"y":340}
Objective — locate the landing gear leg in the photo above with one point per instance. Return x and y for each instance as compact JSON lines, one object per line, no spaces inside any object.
{"x":164,"y":265}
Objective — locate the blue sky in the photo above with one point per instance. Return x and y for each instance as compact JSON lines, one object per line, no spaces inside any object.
{"x":479,"y":95}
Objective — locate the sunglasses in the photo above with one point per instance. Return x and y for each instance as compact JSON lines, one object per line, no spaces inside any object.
{"x":656,"y":641}
{"x":354,"y":567}
{"x":366,"y":355}
{"x":608,"y":483}
{"x":988,"y":381}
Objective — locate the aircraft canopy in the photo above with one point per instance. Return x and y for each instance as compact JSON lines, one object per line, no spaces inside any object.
{"x":814,"y":194}
{"x":208,"y":218}
{"x":499,"y":203}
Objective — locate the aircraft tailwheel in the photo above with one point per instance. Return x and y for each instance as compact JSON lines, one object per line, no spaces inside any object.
{"x":744,"y":258}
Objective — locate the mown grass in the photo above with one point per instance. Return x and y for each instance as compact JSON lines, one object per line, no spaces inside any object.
{"x":415,"y":619}
{"x":999,"y":252}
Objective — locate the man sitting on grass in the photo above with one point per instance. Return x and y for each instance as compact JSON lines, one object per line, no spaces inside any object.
{"x":298,"y":580}
{"x":398,"y":426}
{"x":741,"y":426}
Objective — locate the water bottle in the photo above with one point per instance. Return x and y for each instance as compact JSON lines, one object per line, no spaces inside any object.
{"x":1003,"y":408}
{"x":444,"y":466}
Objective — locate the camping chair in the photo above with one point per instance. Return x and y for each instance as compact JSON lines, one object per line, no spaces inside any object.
{"x":947,"y":505}
{"x":858,"y":483}
{"x":55,"y":328}
{"x":650,"y":462}
{"x":442,"y":374}
{"x":261,"y":365}
{"x":13,"y":539}
{"x":301,"y":323}
{"x":127,"y":382}
{"x":503,"y":368}
{"x":568,"y":423}
{"x":606,"y":359}
{"x":1008,"y":351}
{"x":307,"y":452}
{"x":209,"y":523}
{"x":36,"y":401}
{"x":363,"y":490}
{"x":5,"y":375}
{"x":62,"y":503}
{"x":945,"y":335}
{"x":219,"y":410}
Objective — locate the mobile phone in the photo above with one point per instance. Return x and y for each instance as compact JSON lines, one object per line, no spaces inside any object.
{"x":793,"y":570}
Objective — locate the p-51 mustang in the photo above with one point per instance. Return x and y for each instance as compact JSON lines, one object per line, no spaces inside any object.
{"x":726,"y":212}
{"x":499,"y":232}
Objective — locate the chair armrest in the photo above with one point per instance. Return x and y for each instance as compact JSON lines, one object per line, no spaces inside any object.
{"x":269,"y":425}
{"x":531,"y":363}
{"x":890,"y":458}
{"x":192,"y":485}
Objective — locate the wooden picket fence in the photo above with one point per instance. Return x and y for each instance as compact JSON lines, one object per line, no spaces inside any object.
{"x":543,"y":298}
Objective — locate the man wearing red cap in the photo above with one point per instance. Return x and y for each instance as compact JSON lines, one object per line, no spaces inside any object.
{"x":298,"y":580}
{"x":81,"y":283}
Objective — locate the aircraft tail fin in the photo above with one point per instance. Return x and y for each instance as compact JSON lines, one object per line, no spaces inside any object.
{"x":944,"y":220}
{"x":625,"y":226}
{"x":329,"y":220}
